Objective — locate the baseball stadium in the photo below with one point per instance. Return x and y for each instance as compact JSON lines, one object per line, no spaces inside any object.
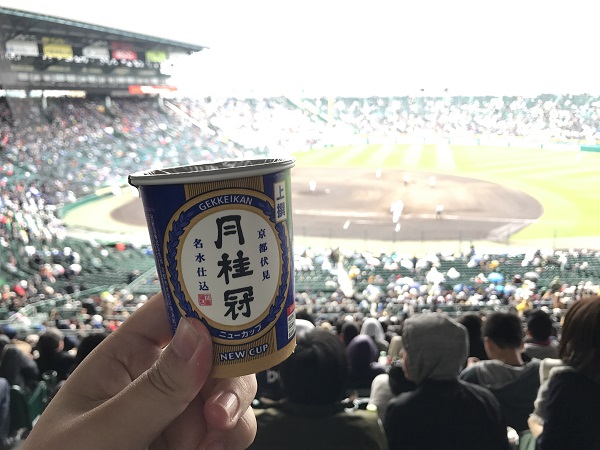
{"x":432,"y":253}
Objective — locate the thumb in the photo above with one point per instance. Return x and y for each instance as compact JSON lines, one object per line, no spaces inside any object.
{"x":151,"y":402}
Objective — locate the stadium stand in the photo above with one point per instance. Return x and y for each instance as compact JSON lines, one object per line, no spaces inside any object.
{"x":64,"y":150}
{"x":40,"y":260}
{"x":278,"y":123}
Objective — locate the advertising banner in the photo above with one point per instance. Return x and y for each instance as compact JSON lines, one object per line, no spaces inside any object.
{"x":123,"y":51}
{"x":22,"y":48}
{"x":96,"y":52}
{"x":156,"y":56}
{"x":56,"y":48}
{"x":151,"y":89}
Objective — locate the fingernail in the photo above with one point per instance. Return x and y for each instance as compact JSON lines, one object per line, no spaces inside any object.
{"x":229,"y":402}
{"x":216,"y":446}
{"x":186,"y":339}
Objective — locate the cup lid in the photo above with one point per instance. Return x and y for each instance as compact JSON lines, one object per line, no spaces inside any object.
{"x":214,"y":171}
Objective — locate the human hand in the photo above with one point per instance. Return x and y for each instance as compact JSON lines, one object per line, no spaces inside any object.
{"x":536,"y":425}
{"x":471,"y":361}
{"x":130,"y":394}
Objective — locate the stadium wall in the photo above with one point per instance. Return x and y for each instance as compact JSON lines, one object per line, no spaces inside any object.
{"x":591,"y":148}
{"x":101,"y":193}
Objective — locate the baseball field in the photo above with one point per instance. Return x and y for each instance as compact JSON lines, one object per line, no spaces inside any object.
{"x":495,"y":197}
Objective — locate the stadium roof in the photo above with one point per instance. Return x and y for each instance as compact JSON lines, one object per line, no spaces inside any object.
{"x":14,"y":22}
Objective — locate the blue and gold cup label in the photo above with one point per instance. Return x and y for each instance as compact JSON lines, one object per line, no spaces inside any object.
{"x":223,"y":253}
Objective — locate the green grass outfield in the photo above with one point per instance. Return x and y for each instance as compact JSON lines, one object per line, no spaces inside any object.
{"x":565,"y":182}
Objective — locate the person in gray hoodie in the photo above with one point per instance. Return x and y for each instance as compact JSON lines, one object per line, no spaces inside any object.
{"x":443,"y":411}
{"x":514,"y":382}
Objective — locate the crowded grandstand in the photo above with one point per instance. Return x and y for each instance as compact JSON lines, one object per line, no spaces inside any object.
{"x":74,"y":123}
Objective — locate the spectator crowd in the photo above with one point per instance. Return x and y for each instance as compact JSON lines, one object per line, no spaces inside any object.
{"x":282,"y":124}
{"x":494,"y":342}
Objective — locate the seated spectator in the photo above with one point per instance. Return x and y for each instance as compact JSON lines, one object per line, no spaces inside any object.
{"x":16,"y":367}
{"x":382,"y":387}
{"x":348,"y":332}
{"x":388,"y":385}
{"x":52,"y":355}
{"x":385,"y":326}
{"x":312,"y":415}
{"x":571,"y":407}
{"x":443,"y":412}
{"x":548,"y":368}
{"x":394,"y":349}
{"x":513,"y":382}
{"x":303,"y":326}
{"x":85,"y":347}
{"x":363,"y":366}
{"x":305,"y":315}
{"x":269,"y":388}
{"x":398,"y":381}
{"x":539,"y":342}
{"x":88,"y":307}
{"x":14,"y":339}
{"x":473,"y":322}
{"x":374,"y":329}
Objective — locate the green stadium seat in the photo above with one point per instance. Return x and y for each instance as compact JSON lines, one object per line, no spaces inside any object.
{"x":25,"y":410}
{"x":526,"y":441}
